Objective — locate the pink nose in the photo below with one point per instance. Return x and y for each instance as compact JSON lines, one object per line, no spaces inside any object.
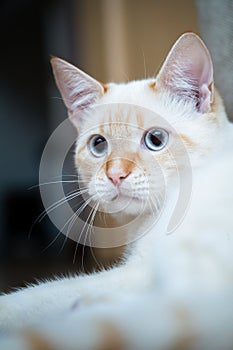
{"x":117,"y":177}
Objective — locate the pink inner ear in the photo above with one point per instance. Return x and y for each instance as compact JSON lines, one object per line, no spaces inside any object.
{"x":188,"y":71}
{"x":77,"y":88}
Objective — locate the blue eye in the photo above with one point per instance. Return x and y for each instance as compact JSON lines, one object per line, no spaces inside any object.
{"x":98,"y":146}
{"x":156,"y":139}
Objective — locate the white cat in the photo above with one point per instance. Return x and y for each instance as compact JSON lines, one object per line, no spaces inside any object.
{"x":137,"y":145}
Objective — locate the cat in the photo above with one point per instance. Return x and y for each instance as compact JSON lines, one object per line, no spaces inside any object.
{"x":140,"y":146}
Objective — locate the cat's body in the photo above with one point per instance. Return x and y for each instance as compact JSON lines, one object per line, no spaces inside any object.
{"x":174,"y":290}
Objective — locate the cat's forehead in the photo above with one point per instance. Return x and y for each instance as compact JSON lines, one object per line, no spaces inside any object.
{"x":127,"y":109}
{"x":133,"y":92}
{"x":120,"y":119}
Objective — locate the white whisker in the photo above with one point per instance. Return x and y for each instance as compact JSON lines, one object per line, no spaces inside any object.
{"x":73,"y":194}
{"x":85,"y":237}
{"x":89,"y":229}
{"x":85,"y":224}
{"x":52,"y":182}
{"x":72,"y":220}
{"x":92,"y":232}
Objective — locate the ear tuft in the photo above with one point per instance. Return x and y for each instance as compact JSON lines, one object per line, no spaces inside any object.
{"x":79,"y":91}
{"x":188,"y":72}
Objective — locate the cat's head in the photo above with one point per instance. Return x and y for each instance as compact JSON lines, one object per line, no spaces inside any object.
{"x":133,"y":136}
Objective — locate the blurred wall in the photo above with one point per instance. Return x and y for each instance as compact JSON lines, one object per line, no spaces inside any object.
{"x":29,"y":32}
{"x":129,"y":39}
{"x":216,"y":25}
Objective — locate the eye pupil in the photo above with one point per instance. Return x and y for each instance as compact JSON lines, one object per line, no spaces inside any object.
{"x":156,"y":139}
{"x":98,"y":141}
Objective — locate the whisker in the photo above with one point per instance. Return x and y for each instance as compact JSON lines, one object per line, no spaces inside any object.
{"x":52,"y":182}
{"x":56,"y":237}
{"x":77,"y":176}
{"x":155,"y":204}
{"x":89,"y":229}
{"x":92,"y":232}
{"x":68,"y":175}
{"x":152,"y":209}
{"x":85,"y":224}
{"x":54,"y":206}
{"x":51,"y":243}
{"x":73,"y":194}
{"x":72,"y":220}
{"x":56,"y":98}
{"x":104,"y":216}
{"x":84,"y":242}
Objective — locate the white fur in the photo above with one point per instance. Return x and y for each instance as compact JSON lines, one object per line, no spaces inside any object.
{"x":172,"y":291}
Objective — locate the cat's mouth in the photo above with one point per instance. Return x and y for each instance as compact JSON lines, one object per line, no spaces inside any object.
{"x":122,"y":201}
{"x":124,"y":196}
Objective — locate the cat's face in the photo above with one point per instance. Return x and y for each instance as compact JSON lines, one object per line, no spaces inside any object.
{"x":133,"y":138}
{"x":119,"y":157}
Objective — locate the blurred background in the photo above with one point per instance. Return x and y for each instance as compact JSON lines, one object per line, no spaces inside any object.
{"x":115,"y":40}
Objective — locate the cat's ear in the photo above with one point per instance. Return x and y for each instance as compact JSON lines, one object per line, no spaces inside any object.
{"x":79,"y":91}
{"x":188,"y":72}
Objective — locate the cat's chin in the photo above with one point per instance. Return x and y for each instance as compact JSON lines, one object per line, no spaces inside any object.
{"x":122,"y":204}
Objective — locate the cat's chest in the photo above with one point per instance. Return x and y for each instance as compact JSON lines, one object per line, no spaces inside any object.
{"x":187,"y":261}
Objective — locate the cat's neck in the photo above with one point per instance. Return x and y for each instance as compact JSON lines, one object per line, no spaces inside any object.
{"x":138,"y":233}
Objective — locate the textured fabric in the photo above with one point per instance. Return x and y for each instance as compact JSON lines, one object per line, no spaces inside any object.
{"x":216,"y":27}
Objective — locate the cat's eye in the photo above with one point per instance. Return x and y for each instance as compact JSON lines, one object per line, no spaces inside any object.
{"x":98,"y":146}
{"x":156,"y":139}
